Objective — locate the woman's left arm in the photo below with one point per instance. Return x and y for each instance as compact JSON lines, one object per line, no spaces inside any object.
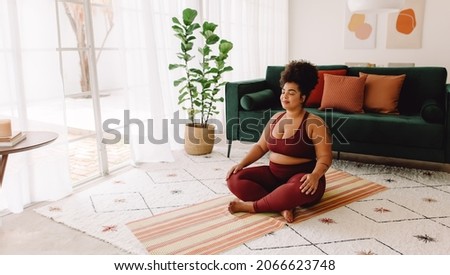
{"x":320,"y":136}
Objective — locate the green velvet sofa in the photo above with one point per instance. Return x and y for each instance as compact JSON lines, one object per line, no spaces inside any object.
{"x":420,"y":132}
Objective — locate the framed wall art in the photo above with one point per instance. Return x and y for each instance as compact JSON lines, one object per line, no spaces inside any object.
{"x":404,"y":28}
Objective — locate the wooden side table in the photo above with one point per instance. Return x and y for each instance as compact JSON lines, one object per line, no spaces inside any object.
{"x":33,"y":140}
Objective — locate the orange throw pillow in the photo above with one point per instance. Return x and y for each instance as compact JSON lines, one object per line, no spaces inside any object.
{"x":315,"y":97}
{"x":382,"y":93}
{"x":343,"y":93}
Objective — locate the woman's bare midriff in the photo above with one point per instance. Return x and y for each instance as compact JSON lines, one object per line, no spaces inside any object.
{"x":286,"y":160}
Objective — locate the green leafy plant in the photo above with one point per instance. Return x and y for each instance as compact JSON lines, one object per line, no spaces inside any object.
{"x":201,"y":83}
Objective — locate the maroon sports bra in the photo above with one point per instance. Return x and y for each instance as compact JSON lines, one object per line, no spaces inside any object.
{"x":299,"y":145}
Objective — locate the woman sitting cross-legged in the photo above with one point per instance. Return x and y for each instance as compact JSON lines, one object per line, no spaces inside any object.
{"x":300,"y":153}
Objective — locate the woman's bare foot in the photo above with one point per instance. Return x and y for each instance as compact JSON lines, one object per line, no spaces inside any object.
{"x":288,"y":215}
{"x":240,"y":206}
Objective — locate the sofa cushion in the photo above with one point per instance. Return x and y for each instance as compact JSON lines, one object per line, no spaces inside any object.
{"x":258,"y":100}
{"x":431,"y":111}
{"x":343,"y":93}
{"x":315,"y":96}
{"x":382,"y":92}
{"x":421,"y":83}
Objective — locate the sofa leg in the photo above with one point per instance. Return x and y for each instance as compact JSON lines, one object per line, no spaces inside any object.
{"x":339,"y":155}
{"x":229,"y":148}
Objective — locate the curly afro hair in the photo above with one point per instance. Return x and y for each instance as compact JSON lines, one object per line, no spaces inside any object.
{"x":301,"y":72}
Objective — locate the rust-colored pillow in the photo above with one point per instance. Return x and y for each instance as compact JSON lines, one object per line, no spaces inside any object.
{"x":343,"y":93}
{"x":315,"y":97}
{"x":382,"y":93}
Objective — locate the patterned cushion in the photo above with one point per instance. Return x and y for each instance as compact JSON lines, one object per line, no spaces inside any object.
{"x":315,"y":97}
{"x":382,"y":93}
{"x":343,"y":93}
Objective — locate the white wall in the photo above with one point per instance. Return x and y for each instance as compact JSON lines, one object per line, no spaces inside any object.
{"x":316,"y":33}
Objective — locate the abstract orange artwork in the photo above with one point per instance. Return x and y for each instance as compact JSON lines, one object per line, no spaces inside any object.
{"x":404,"y":28}
{"x":406,"y":21}
{"x":359,"y":26}
{"x":360,"y":30}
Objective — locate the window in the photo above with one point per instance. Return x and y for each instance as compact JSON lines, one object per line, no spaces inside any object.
{"x":93,"y":86}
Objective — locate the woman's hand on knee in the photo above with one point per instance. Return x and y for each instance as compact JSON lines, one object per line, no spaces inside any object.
{"x":234,"y":169}
{"x":309,"y":184}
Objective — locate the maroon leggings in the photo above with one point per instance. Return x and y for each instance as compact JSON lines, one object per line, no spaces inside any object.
{"x":276,"y":187}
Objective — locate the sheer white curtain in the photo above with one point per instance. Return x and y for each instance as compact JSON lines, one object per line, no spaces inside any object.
{"x":32,"y":97}
{"x":257,"y":28}
{"x":31,"y":92}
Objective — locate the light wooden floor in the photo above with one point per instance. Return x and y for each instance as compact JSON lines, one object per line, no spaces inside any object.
{"x":29,"y":233}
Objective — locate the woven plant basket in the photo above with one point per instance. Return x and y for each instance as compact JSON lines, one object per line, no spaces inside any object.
{"x":198,"y":140}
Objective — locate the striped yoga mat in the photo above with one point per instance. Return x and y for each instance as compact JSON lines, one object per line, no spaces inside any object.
{"x":342,"y":188}
{"x":205,"y":228}
{"x":208,"y":227}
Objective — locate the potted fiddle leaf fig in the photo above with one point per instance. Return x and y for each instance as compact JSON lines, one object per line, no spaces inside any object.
{"x":202,"y":60}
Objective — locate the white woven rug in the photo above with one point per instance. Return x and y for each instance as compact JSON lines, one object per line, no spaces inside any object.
{"x":411,"y":217}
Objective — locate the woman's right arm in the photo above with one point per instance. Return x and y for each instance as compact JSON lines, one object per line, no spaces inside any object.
{"x":256,"y":152}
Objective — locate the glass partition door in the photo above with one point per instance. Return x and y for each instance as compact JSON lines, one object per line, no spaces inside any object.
{"x":91,"y":65}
